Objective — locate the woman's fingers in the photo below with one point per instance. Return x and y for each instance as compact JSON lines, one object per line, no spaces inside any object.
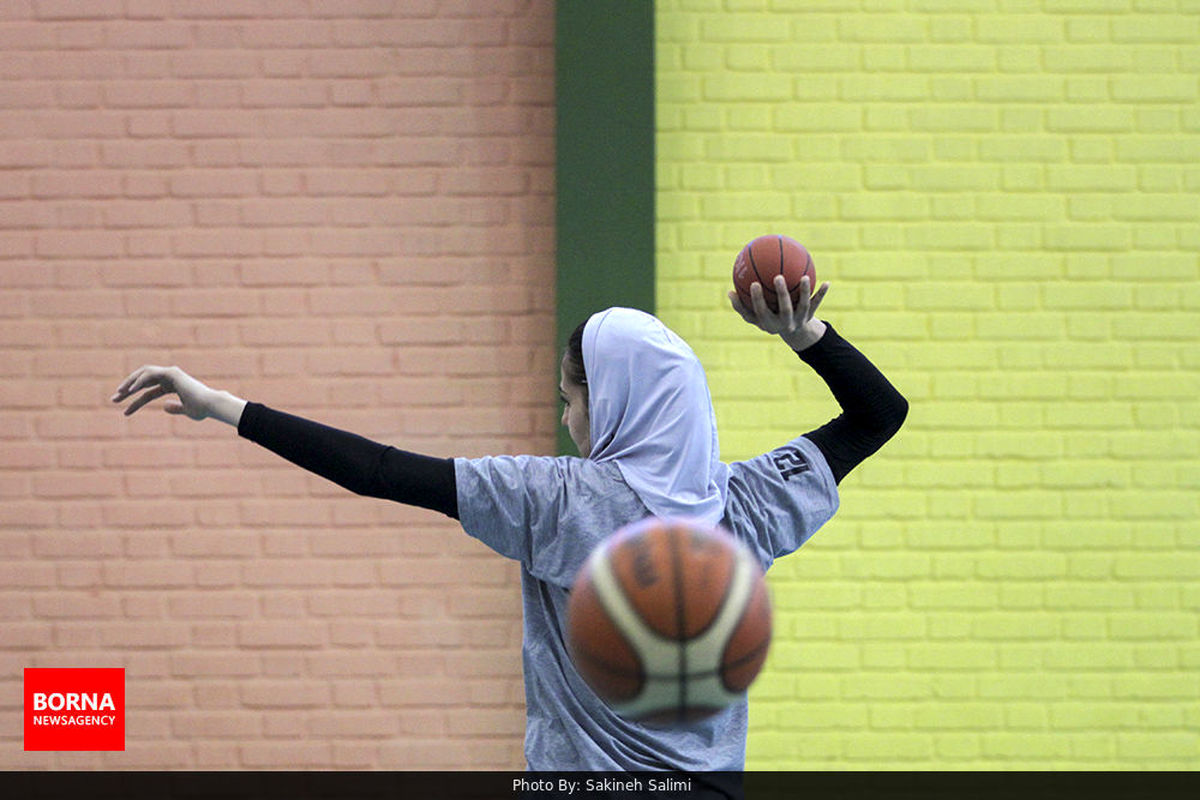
{"x":152,"y":394}
{"x":758,"y":302}
{"x":123,"y":389}
{"x":790,"y":316}
{"x":802,"y":299}
{"x":150,"y":377}
{"x":140,"y":379}
{"x":784,"y":300}
{"x":815,"y":302}
{"x":739,"y":307}
{"x":156,"y":380}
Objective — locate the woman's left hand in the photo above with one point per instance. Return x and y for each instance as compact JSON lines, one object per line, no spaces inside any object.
{"x":795,"y":325}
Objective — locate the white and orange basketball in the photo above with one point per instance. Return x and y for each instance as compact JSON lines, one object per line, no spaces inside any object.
{"x":669,"y":621}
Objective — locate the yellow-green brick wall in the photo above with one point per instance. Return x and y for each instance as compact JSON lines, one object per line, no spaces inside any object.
{"x":1005,"y":197}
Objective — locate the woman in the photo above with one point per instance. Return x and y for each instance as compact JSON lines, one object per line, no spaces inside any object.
{"x":638,"y":408}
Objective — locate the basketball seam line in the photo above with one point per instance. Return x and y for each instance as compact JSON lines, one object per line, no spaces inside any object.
{"x":680,"y":625}
{"x":608,"y":666}
{"x":751,"y":653}
{"x":753,"y":266}
{"x":738,"y":662}
{"x":716,"y":615}
{"x":807,"y":264}
{"x":647,"y":677}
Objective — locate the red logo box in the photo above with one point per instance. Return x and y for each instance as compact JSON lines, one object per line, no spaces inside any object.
{"x":74,"y":709}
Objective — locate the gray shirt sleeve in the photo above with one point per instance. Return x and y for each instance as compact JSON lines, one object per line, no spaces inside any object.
{"x":778,"y":500}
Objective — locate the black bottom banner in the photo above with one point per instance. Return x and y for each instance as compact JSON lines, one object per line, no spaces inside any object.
{"x":599,"y":785}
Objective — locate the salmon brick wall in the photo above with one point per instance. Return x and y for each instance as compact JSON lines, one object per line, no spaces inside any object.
{"x":342,"y":209}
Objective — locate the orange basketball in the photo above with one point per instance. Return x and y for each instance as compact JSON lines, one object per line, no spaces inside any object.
{"x":767,"y":256}
{"x":669,"y":621}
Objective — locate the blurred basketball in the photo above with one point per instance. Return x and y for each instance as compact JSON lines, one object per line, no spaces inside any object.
{"x":767,"y":256}
{"x":669,"y":621}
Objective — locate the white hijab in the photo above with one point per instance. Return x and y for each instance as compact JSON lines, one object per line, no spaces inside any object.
{"x":651,"y":414}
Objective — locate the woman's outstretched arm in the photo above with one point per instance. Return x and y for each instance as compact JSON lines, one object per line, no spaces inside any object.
{"x":353,"y":462}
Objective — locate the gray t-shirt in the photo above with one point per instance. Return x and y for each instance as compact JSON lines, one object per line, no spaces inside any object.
{"x":549,"y":513}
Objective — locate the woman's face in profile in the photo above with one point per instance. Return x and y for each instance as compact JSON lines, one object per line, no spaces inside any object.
{"x":575,"y":413}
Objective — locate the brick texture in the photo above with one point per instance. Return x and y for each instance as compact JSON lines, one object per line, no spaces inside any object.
{"x":339,"y":209}
{"x":1004,"y":197}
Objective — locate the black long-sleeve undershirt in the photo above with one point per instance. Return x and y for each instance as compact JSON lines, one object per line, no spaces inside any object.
{"x":354,"y":462}
{"x":872,"y":411}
